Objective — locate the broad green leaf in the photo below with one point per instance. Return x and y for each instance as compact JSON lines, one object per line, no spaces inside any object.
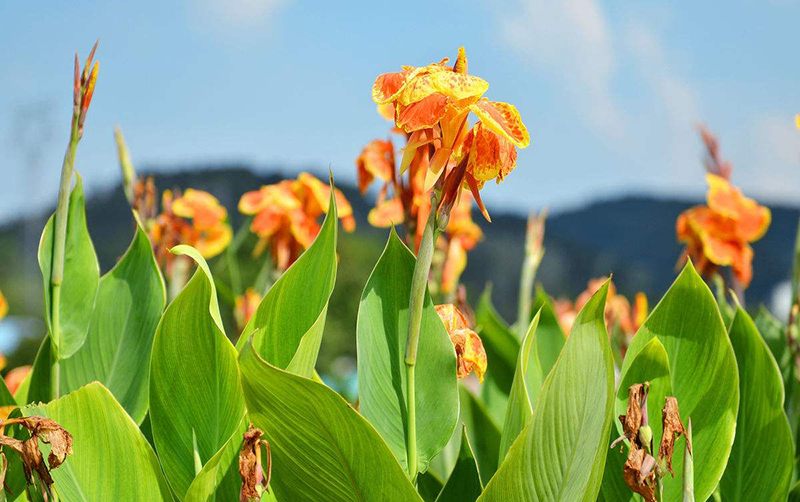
{"x":81,"y":276}
{"x":291,"y":317}
{"x":429,"y":485}
{"x":560,"y":454}
{"x":111,"y":460}
{"x":528,"y":379}
{"x":219,"y":479}
{"x":130,"y":300}
{"x":501,"y":345}
{"x":382,"y":332}
{"x":549,"y":337}
{"x":464,"y":484}
{"x":794,"y":495}
{"x":322,"y":449}
{"x":37,"y":385}
{"x":703,"y":373}
{"x":483,"y":433}
{"x":760,"y":465}
{"x":650,"y":365}
{"x":196,"y":401}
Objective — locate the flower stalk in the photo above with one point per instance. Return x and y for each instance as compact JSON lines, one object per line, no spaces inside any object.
{"x":534,"y":252}
{"x":82,"y":97}
{"x":688,"y":466}
{"x":419,"y":283}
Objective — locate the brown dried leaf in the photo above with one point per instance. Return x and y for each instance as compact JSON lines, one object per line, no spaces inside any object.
{"x":639,"y":480}
{"x":632,"y":420}
{"x":32,"y":461}
{"x":673,"y":428}
{"x":250,"y":468}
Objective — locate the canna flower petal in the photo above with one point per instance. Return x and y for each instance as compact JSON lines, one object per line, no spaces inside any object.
{"x":454,"y":264}
{"x":303,"y":228}
{"x":461,"y":225}
{"x":387,"y":213}
{"x":503,"y":119}
{"x":201,"y":207}
{"x":450,"y":84}
{"x":470,"y":354}
{"x":268,"y":222}
{"x":316,"y":196}
{"x":752,"y":220}
{"x":386,"y":111}
{"x":376,"y":161}
{"x":3,"y":306}
{"x":491,"y":156}
{"x":15,"y":377}
{"x":214,"y":240}
{"x":245,"y":306}
{"x":388,"y":86}
{"x":253,"y":202}
{"x":422,"y":114}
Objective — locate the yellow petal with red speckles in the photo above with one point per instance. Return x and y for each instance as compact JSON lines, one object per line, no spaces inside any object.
{"x":388,"y":86}
{"x":447,"y":83}
{"x":752,"y":220}
{"x":376,"y":161}
{"x":490,"y":154}
{"x":387,"y":213}
{"x":504,"y":119}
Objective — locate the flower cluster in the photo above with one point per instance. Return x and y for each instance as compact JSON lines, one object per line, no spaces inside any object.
{"x":195,"y":218}
{"x":286,"y":215}
{"x":432,"y":104}
{"x":619,"y":313}
{"x":470,"y":355}
{"x":245,"y":306}
{"x":720,"y":232}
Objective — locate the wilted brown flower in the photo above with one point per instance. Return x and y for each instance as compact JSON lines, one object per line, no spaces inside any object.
{"x":673,"y":428}
{"x":250,"y":468}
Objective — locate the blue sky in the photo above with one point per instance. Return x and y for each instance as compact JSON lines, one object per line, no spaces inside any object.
{"x":610,"y":91}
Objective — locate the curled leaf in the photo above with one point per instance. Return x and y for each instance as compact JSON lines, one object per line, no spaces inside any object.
{"x":639,"y":474}
{"x":673,"y":428}
{"x":632,"y":419}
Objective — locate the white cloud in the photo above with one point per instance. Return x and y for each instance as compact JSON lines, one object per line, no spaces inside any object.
{"x":773,"y":162}
{"x":571,"y":39}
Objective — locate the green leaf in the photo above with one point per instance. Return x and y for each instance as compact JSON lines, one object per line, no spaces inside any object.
{"x":429,"y":485}
{"x":196,"y":402}
{"x":650,"y":365}
{"x":483,"y":433}
{"x":382,"y":332}
{"x":501,"y":345}
{"x":130,"y":300}
{"x":760,"y":465}
{"x":111,"y":460}
{"x":464,"y":484}
{"x":81,"y":276}
{"x":291,"y":317}
{"x":794,"y":495}
{"x":703,"y":373}
{"x":528,"y":380}
{"x":219,"y":478}
{"x":322,"y":449}
{"x":37,"y":385}
{"x":560,"y":454}
{"x":549,"y":337}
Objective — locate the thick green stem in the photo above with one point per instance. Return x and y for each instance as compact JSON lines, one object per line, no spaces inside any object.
{"x":60,"y":243}
{"x":419,"y":283}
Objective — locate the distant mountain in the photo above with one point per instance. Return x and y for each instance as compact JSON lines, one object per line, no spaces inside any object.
{"x":632,"y":236}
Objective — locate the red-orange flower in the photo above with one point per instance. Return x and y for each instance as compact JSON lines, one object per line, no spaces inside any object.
{"x":432,"y":104}
{"x":286,"y":215}
{"x":15,"y":377}
{"x":195,"y":218}
{"x":461,"y":235}
{"x":245,"y":306}
{"x":618,"y":312}
{"x":470,"y":354}
{"x":719,"y":233}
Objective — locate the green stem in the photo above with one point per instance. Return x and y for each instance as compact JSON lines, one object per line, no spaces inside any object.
{"x":688,"y":466}
{"x":419,"y":283}
{"x":60,"y":244}
{"x":529,"y":268}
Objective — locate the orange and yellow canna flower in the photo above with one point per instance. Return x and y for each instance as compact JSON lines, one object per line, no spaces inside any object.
{"x":15,"y":377}
{"x":245,"y":306}
{"x":618,"y":313}
{"x":287,"y":213}
{"x":432,"y":105}
{"x":195,"y":218}
{"x":470,"y":355}
{"x":3,"y":306}
{"x":720,"y":232}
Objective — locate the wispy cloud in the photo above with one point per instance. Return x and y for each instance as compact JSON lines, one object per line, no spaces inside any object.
{"x":571,"y":39}
{"x":771,"y":168}
{"x":240,"y":14}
